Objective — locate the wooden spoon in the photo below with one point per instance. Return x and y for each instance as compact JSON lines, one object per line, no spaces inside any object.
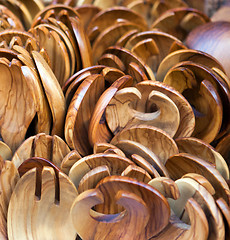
{"x":5,"y":151}
{"x":109,"y":37}
{"x":204,"y":151}
{"x":160,"y":45}
{"x":191,"y":189}
{"x":127,"y":108}
{"x":52,"y":148}
{"x":15,"y":123}
{"x":98,"y":130}
{"x":8,"y":179}
{"x":153,"y":138}
{"x":187,"y":118}
{"x":69,"y":160}
{"x":46,"y":208}
{"x":53,"y":93}
{"x":103,"y":147}
{"x":166,"y":186}
{"x":180,"y":21}
{"x":178,"y":230}
{"x":92,"y":178}
{"x":137,"y":173}
{"x":131,"y":147}
{"x":80,"y":112}
{"x":186,"y":55}
{"x":43,"y":111}
{"x":115,"y":163}
{"x":131,"y":194}
{"x":110,"y":16}
{"x":183,"y":163}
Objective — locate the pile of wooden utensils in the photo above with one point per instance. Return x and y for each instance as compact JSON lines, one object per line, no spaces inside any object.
{"x":114,"y":120}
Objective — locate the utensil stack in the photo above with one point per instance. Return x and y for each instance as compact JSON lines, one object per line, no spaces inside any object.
{"x":114,"y":121}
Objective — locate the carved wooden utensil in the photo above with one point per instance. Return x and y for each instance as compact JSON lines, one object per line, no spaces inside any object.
{"x":115,"y":163}
{"x":183,"y":163}
{"x":51,"y":205}
{"x":189,"y":188}
{"x":180,"y":21}
{"x":186,"y":55}
{"x":199,"y":148}
{"x":132,"y":147}
{"x":153,"y":138}
{"x":207,"y":94}
{"x":8,"y":178}
{"x":98,"y":130}
{"x":197,"y":228}
{"x":153,"y":46}
{"x":216,"y":46}
{"x":108,"y":17}
{"x":52,"y":148}
{"x":187,"y":118}
{"x":135,"y":222}
{"x":15,"y":122}
{"x":80,"y":111}
{"x":129,"y":107}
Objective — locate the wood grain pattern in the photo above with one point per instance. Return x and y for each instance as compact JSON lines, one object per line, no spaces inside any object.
{"x":15,"y":119}
{"x":45,"y":209}
{"x":197,"y":229}
{"x":225,"y":210}
{"x":8,"y":179}
{"x":86,"y":13}
{"x":131,"y":147}
{"x":187,"y":118}
{"x":207,"y":104}
{"x":134,"y":196}
{"x":140,"y":161}
{"x":42,"y":107}
{"x":109,"y":16}
{"x":98,"y":130}
{"x":56,"y":50}
{"x":151,"y":10}
{"x":182,"y":163}
{"x":92,"y":178}
{"x":83,"y":43}
{"x":109,"y":37}
{"x":202,"y":181}
{"x":199,"y":148}
{"x":115,"y":163}
{"x":126,"y":57}
{"x":137,"y":173}
{"x":186,"y":55}
{"x":53,"y":93}
{"x":166,"y":187}
{"x":80,"y":112}
{"x":103,"y":147}
{"x":153,"y":138}
{"x":52,"y":148}
{"x":223,"y":148}
{"x":38,"y":163}
{"x":180,"y":21}
{"x":69,"y":160}
{"x":161,"y":40}
{"x":127,"y":108}
{"x":191,"y":189}
{"x":5,"y":151}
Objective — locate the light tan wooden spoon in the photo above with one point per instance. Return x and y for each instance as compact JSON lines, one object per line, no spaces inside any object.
{"x":53,"y":93}
{"x":45,"y":208}
{"x":153,"y":138}
{"x":52,"y":148}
